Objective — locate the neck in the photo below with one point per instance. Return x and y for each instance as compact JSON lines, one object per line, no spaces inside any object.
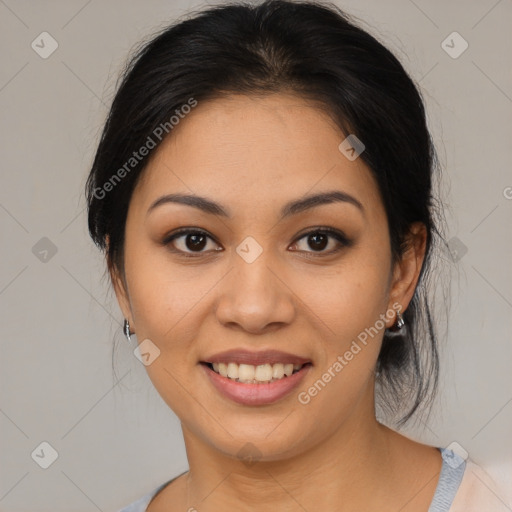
{"x":334,"y":474}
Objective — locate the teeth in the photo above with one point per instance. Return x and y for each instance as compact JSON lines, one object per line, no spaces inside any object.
{"x":251,"y":374}
{"x":263,"y":373}
{"x":278,"y":371}
{"x":223,"y":369}
{"x":232,"y":370}
{"x":246,"y":372}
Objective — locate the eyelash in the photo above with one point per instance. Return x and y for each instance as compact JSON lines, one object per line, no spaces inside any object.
{"x":334,"y":233}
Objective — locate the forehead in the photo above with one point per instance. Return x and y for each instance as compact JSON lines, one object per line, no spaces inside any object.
{"x":248,"y":150}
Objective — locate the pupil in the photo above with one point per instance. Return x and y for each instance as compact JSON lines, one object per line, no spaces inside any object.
{"x":196,"y":242}
{"x":317,"y":241}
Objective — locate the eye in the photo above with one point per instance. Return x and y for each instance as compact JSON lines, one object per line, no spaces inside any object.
{"x":321,"y":238}
{"x":194,"y":242}
{"x":190,"y":241}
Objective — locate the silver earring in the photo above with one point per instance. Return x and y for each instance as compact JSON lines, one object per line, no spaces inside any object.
{"x":126,"y":330}
{"x":399,"y":320}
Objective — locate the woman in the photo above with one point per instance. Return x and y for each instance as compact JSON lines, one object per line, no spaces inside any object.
{"x":263,"y":194}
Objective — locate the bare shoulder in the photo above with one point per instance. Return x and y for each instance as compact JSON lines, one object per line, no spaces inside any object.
{"x":478,"y":491}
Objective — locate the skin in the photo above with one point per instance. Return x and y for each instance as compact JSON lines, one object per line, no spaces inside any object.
{"x":253,"y":155}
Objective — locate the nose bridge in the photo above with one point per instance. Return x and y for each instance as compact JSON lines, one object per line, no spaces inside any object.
{"x":253,"y":296}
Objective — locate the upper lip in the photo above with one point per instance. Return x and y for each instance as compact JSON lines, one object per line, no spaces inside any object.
{"x":241,"y":356}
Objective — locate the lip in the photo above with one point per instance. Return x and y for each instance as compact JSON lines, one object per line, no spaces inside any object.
{"x":241,"y":356}
{"x":255,"y":394}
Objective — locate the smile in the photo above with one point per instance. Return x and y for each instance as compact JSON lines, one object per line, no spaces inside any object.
{"x":251,"y":374}
{"x":253,"y":391}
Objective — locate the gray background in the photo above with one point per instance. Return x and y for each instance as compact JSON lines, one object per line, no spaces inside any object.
{"x":115,"y":437}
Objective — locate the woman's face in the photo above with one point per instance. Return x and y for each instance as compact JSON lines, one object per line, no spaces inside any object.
{"x":264,"y":277}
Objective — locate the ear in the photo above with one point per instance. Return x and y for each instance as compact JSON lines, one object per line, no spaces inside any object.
{"x":406,"y":271}
{"x":118,"y":281}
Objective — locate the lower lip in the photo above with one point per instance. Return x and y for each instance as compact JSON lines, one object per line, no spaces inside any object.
{"x":256,"y":394}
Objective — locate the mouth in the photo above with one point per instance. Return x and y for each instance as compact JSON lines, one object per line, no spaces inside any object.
{"x":253,"y":378}
{"x":255,"y":374}
{"x":271,"y":378}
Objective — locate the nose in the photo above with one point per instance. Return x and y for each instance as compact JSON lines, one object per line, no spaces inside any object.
{"x":255,"y":297}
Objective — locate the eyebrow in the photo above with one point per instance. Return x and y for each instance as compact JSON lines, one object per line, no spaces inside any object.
{"x":292,"y":208}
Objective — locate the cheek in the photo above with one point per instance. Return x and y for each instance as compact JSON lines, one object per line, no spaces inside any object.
{"x":349,"y":299}
{"x":160,"y":293}
{"x":348,"y":307}
{"x":164,"y":301}
{"x":348,"y":338}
